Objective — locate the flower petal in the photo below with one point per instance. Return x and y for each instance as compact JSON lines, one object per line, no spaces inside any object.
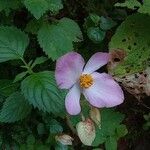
{"x":95,"y":62}
{"x":68,"y":69}
{"x":72,"y":101}
{"x":105,"y":92}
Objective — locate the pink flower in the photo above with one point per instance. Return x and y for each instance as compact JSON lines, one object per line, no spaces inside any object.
{"x":98,"y":88}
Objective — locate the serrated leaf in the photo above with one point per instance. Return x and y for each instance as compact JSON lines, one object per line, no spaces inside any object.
{"x":13,"y":43}
{"x":20,"y":76}
{"x":15,"y":108}
{"x":95,"y":34}
{"x":55,"y":127}
{"x":108,"y":126}
{"x":41,"y":91}
{"x":39,"y":7}
{"x":132,"y":37}
{"x":57,"y":39}
{"x":38,"y":61}
{"x":36,"y":7}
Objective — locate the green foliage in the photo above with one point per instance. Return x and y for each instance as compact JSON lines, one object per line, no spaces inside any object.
{"x":97,"y":26}
{"x":39,"y":7}
{"x":13,"y":43}
{"x":8,"y":5}
{"x":145,"y":8}
{"x":106,"y":23}
{"x":95,"y":34}
{"x":132,"y":36}
{"x":57,"y":39}
{"x":129,"y":4}
{"x":15,"y":108}
{"x":111,"y":130}
{"x":41,"y":90}
{"x":54,"y":28}
{"x":7,"y":87}
{"x":55,"y":127}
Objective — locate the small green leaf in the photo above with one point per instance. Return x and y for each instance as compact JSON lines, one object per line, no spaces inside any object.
{"x":36,"y":7}
{"x":121,"y":131}
{"x":95,"y":18}
{"x":38,"y":61}
{"x":95,"y":34}
{"x":111,"y":143}
{"x":55,"y":5}
{"x":57,"y":39}
{"x":41,"y":90}
{"x":13,"y":43}
{"x":20,"y":76}
{"x":106,"y":23}
{"x":55,"y":127}
{"x":15,"y":108}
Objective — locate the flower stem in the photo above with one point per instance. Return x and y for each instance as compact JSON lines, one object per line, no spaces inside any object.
{"x":27,"y":66}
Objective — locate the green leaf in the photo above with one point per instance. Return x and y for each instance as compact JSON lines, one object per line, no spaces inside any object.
{"x":55,"y":127}
{"x":39,"y":7}
{"x":111,"y":143}
{"x":55,"y":5}
{"x":15,"y":108}
{"x":129,"y":4}
{"x":20,"y":76}
{"x":38,"y":61}
{"x":8,"y":5}
{"x":95,"y":18}
{"x":132,"y":36}
{"x":106,"y":23}
{"x":95,"y":34}
{"x":13,"y":43}
{"x":145,"y":8}
{"x":121,"y":131}
{"x":41,"y":90}
{"x":108,"y":126}
{"x":33,"y":26}
{"x":36,"y":7}
{"x":57,"y":39}
{"x":7,"y":87}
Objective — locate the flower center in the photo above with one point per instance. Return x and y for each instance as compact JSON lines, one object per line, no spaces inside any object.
{"x":86,"y":80}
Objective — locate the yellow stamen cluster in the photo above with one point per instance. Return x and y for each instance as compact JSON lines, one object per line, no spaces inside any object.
{"x":86,"y":80}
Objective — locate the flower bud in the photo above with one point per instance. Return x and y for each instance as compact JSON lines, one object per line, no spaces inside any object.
{"x":86,"y":131}
{"x":95,"y":116}
{"x":64,"y":139}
